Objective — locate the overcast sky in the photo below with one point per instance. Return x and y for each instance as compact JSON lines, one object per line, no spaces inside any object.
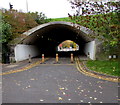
{"x":51,"y":8}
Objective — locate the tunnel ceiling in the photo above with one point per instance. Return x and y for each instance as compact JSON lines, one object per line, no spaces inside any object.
{"x":56,"y":32}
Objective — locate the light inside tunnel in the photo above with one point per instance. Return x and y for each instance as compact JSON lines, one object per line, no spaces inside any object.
{"x":67,"y":46}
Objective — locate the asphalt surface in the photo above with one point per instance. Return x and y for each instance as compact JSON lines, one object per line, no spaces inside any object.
{"x":56,"y":83}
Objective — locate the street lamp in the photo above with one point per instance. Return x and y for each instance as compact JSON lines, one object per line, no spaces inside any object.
{"x":11,"y":6}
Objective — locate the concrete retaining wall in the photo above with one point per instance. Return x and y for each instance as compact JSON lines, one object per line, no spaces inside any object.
{"x":90,"y":50}
{"x":22,"y":52}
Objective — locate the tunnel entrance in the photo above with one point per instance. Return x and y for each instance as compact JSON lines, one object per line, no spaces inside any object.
{"x":45,"y":38}
{"x":66,"y":48}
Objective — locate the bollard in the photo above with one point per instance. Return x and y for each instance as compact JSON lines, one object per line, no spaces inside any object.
{"x":88,"y":55}
{"x":56,"y":58}
{"x":71,"y":57}
{"x":30,"y":58}
{"x":43,"y":59}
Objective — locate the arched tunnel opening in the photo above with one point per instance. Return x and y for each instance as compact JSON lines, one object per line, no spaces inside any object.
{"x":51,"y":36}
{"x":67,"y":47}
{"x":46,"y":40}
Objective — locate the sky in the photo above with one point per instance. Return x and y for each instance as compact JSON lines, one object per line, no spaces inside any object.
{"x":51,"y":8}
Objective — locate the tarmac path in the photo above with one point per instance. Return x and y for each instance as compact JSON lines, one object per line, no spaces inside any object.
{"x":56,"y":83}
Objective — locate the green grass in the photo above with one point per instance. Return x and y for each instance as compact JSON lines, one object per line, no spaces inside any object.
{"x":105,"y":67}
{"x":61,"y":19}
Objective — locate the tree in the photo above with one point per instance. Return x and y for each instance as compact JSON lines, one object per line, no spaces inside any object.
{"x":40,"y":18}
{"x":19,"y":21}
{"x":101,"y":17}
{"x":6,"y":34}
{"x":5,"y":37}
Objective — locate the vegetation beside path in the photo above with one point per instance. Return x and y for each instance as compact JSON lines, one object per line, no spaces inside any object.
{"x":106,"y":67}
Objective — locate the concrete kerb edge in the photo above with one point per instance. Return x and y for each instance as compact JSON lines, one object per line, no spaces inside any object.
{"x":24,"y":68}
{"x":87,"y":69}
{"x":98,"y":74}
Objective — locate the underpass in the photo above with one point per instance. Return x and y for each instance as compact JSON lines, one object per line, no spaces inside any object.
{"x":45,"y":38}
{"x":51,"y":81}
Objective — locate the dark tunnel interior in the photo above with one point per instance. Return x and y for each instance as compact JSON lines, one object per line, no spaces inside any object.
{"x":48,"y":38}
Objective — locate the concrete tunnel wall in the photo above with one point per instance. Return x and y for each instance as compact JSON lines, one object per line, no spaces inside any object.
{"x":25,"y":47}
{"x":22,"y":52}
{"x":90,"y":50}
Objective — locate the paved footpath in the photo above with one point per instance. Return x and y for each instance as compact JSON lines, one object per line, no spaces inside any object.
{"x":56,"y":83}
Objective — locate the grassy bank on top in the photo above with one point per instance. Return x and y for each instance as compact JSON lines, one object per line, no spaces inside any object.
{"x":61,"y":19}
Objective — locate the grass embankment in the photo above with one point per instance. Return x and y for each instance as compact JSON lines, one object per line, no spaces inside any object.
{"x":105,"y":67}
{"x":61,"y":19}
{"x":98,"y":23}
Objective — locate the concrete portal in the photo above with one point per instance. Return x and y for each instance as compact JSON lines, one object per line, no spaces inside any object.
{"x":46,"y":37}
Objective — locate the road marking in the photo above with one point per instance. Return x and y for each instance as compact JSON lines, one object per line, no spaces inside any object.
{"x":23,"y":69}
{"x":83,"y":71}
{"x":10,"y":66}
